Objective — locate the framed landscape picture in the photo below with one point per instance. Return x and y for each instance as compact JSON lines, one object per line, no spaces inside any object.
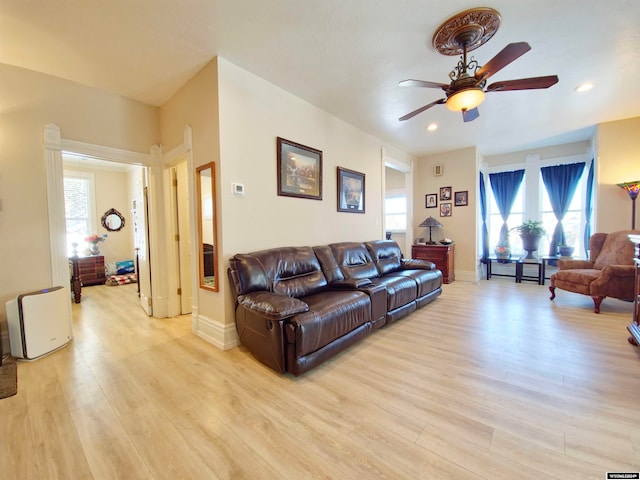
{"x":350,"y":191}
{"x":299,"y":170}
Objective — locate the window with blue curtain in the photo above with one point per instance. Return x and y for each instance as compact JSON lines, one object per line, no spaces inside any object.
{"x":561,"y":182}
{"x":505,"y":187}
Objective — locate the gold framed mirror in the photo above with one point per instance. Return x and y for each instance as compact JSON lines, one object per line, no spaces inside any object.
{"x":207,"y":244}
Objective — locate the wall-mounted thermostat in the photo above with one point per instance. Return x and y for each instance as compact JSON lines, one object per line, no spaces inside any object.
{"x":237,"y":189}
{"x":438,"y":170}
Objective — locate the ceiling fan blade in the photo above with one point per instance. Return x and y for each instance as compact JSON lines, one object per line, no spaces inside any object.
{"x":523,"y":84}
{"x":470,"y":115}
{"x":422,"y":83}
{"x":422,"y":109}
{"x":507,"y":55}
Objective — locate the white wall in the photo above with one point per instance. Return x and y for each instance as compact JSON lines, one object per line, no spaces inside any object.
{"x":253,"y":113}
{"x":618,"y":162}
{"x":460,"y":172}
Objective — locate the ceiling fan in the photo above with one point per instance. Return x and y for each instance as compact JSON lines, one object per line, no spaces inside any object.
{"x":461,"y":34}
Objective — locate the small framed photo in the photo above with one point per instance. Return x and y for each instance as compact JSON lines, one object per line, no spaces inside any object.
{"x":445,"y":209}
{"x":350,"y":191}
{"x":445,"y":194}
{"x":299,"y":170}
{"x":461,"y":199}
{"x":431,"y":200}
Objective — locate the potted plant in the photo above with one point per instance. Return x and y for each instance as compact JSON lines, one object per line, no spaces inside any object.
{"x":564,"y":250}
{"x":530,"y":232}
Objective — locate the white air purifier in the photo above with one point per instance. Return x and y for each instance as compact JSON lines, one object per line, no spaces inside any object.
{"x":39,"y":322}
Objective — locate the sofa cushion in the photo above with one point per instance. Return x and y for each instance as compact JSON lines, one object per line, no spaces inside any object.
{"x":386,"y":254}
{"x":292,"y":271}
{"x":354,"y":260}
{"x":576,"y":280}
{"x":427,"y":280}
{"x":400,"y":290}
{"x":331,"y":315}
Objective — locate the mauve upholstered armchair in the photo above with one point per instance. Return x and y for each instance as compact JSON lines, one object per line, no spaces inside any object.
{"x":609,"y":272}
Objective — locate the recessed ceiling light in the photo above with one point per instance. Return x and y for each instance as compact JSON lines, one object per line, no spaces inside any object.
{"x":585,"y":87}
{"x":432,"y":127}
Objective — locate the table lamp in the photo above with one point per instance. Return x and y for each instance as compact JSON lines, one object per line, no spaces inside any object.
{"x":632,"y":189}
{"x":430,"y":222}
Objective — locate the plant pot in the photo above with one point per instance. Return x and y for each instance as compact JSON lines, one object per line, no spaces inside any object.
{"x":565,"y":251}
{"x":530,"y":244}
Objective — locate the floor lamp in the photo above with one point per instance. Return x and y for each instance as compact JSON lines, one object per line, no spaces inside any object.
{"x":430,"y":222}
{"x":632,"y":189}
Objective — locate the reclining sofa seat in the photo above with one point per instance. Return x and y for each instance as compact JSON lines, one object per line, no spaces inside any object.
{"x":286,"y":313}
{"x":409,"y":283}
{"x":298,"y":306}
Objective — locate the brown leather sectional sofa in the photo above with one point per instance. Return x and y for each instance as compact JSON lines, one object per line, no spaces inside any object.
{"x":298,"y":306}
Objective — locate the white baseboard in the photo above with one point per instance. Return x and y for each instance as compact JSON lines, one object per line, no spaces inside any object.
{"x":468,"y":276}
{"x":222,"y":336}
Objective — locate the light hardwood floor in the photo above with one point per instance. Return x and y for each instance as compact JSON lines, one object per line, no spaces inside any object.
{"x":490,"y":381}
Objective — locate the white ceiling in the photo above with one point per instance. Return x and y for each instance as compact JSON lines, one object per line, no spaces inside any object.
{"x":347,"y":57}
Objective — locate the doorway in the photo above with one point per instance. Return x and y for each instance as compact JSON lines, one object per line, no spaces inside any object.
{"x":93,"y":187}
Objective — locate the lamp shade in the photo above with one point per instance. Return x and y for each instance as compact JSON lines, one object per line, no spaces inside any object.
{"x":430,"y":222}
{"x":465,"y":99}
{"x":632,"y":188}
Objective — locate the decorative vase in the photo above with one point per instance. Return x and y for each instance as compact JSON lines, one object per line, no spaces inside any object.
{"x":95,"y":250}
{"x":530,"y":244}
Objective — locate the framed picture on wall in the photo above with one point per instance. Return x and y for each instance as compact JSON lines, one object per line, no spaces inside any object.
{"x":299,"y":170}
{"x":445,"y":194}
{"x":431,"y":200}
{"x":461,"y":199}
{"x":445,"y":209}
{"x":350,"y":191}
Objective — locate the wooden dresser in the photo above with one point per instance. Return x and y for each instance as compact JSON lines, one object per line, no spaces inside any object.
{"x":86,"y":271}
{"x":441,"y":255}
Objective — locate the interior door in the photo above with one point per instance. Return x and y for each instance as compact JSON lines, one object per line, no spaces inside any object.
{"x":184,"y":236}
{"x":140,"y":213}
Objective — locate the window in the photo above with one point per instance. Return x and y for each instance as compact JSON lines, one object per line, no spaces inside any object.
{"x":395,"y":210}
{"x":573,"y":221}
{"x":78,"y":208}
{"x":533,"y":203}
{"x":494,"y":220}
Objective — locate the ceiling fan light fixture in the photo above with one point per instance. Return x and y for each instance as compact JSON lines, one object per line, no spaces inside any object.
{"x":466,"y":99}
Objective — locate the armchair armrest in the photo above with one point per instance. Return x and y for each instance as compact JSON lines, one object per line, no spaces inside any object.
{"x":416,"y":264}
{"x":610,"y":271}
{"x":572,"y":264}
{"x":272,"y":305}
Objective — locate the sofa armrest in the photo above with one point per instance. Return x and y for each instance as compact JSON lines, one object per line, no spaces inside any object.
{"x":351,"y":283}
{"x":272,"y":305}
{"x":416,"y":264}
{"x":573,"y":264}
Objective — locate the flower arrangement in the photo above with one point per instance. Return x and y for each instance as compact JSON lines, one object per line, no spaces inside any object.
{"x":95,"y":238}
{"x":502,"y":249}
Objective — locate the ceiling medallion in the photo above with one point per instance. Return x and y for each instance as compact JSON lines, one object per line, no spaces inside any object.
{"x":471,"y":29}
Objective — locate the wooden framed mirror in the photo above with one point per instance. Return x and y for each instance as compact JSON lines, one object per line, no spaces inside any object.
{"x":208,"y":250}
